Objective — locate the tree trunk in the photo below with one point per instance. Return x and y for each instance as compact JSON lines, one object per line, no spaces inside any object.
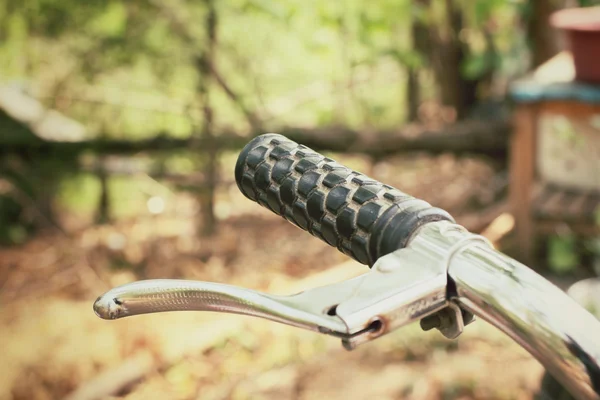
{"x":210,"y":148}
{"x":541,"y":36}
{"x":422,"y":45}
{"x":413,"y":95}
{"x":103,"y":213}
{"x":447,"y":55}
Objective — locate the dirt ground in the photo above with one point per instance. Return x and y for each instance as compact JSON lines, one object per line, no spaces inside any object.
{"x":54,"y":347}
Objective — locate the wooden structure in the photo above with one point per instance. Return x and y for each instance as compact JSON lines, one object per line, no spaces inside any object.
{"x":554,"y":154}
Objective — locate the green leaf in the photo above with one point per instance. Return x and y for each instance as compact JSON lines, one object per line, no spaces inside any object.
{"x":17,"y":234}
{"x":588,"y":3}
{"x":474,"y":66}
{"x":482,"y":11}
{"x":563,"y":257}
{"x":111,"y":22}
{"x":271,"y":8}
{"x":408,"y":58}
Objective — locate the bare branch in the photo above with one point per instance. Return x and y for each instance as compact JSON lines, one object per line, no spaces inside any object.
{"x":182,"y":27}
{"x":252,"y":118}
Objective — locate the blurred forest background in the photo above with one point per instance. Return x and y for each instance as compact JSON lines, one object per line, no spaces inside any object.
{"x":120,"y":123}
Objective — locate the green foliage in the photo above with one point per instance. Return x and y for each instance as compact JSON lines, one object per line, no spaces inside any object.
{"x":79,"y":193}
{"x":588,"y":3}
{"x":562,"y":253}
{"x":129,"y":69}
{"x":47,"y":17}
{"x":266,"y":52}
{"x":278,"y":11}
{"x":12,"y":228}
{"x":22,"y":196}
{"x":484,"y":10}
{"x":475,"y":66}
{"x":112,"y":22}
{"x":409,"y":58}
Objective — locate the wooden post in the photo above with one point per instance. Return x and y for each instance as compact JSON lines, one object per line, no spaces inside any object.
{"x":522,"y":171}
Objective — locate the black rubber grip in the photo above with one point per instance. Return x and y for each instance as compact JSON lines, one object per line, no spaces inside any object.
{"x":363,"y":218}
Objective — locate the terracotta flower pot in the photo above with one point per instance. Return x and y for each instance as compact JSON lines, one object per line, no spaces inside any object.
{"x":582,"y":27}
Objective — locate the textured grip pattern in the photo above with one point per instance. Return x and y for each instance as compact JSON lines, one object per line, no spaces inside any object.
{"x":363,"y":218}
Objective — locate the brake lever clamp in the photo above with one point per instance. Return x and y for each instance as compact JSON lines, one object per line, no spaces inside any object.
{"x":406,"y":286}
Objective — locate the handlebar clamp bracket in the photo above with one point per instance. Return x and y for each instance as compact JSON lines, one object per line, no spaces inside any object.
{"x":405,"y":286}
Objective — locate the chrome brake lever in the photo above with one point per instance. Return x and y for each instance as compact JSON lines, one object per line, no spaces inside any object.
{"x":402,"y":287}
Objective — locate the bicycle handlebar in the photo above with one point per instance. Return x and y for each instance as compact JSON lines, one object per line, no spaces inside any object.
{"x":457,"y":275}
{"x":367,"y":220}
{"x":360,"y":216}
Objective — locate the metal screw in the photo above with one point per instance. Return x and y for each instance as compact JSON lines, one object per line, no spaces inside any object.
{"x":430,"y":322}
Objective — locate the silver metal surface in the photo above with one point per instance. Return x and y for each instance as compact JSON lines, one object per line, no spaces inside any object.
{"x":162,"y":295}
{"x":402,"y":287}
{"x":394,"y":293}
{"x":408,"y":285}
{"x":587,"y":294}
{"x":543,"y":319}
